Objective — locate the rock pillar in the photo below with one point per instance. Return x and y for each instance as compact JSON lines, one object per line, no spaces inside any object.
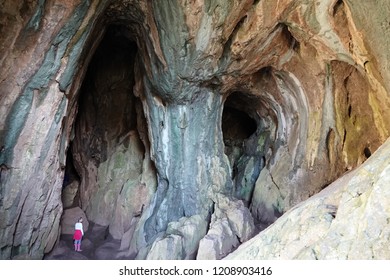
{"x":187,"y":147}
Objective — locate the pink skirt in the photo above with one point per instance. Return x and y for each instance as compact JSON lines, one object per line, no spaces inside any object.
{"x":77,"y":235}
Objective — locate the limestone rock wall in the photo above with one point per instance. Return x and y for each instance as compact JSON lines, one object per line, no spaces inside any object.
{"x":318,"y":228}
{"x":153,"y":133}
{"x":41,"y":50}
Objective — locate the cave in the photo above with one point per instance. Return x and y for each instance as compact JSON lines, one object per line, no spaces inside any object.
{"x":240,"y":136}
{"x":183,"y":129}
{"x":70,"y":195}
{"x":106,"y":155}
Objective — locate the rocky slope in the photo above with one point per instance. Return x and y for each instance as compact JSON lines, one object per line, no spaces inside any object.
{"x":347,"y":220}
{"x":192,"y":125}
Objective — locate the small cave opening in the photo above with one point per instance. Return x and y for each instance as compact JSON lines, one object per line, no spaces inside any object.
{"x":70,"y":187}
{"x":338,"y":6}
{"x":367,"y":152}
{"x":108,"y":175}
{"x":241,"y":128}
{"x":237,"y":126}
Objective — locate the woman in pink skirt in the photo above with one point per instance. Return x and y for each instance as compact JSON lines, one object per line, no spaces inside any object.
{"x":78,"y":235}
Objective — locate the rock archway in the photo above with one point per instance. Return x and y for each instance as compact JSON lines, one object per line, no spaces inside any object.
{"x":240,"y":133}
{"x":109,"y":146}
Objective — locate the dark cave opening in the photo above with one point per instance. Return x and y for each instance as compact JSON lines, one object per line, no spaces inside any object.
{"x":70,"y":170}
{"x":106,"y":105}
{"x":70,"y":188}
{"x":241,"y":131}
{"x":107,"y":149}
{"x":237,"y":125}
{"x":238,"y":121}
{"x":367,"y":152}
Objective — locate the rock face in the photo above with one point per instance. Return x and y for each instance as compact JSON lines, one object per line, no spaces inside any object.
{"x":185,"y":127}
{"x":230,"y":225}
{"x":70,"y":217}
{"x":347,"y":220}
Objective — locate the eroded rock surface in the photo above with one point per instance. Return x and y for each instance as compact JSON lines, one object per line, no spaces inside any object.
{"x":69,"y":219}
{"x":347,"y":220}
{"x":159,"y":117}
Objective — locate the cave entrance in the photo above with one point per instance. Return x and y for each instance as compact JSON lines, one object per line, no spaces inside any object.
{"x":109,"y":176}
{"x":70,"y":195}
{"x":244,"y":144}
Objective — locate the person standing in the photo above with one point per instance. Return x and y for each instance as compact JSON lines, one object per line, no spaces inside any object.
{"x":78,"y":234}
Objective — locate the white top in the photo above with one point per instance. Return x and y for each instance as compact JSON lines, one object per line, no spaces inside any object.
{"x":80,"y":227}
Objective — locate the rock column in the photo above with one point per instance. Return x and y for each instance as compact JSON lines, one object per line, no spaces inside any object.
{"x":187,"y":147}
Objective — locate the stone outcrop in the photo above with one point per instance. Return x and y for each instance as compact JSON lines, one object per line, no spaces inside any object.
{"x":231,"y":224}
{"x":69,"y":194}
{"x":70,"y":217}
{"x":186,"y":124}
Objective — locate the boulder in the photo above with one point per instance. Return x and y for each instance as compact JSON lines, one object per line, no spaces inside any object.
{"x":219,"y":241}
{"x":231,"y":224}
{"x":69,"y":219}
{"x":69,"y":193}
